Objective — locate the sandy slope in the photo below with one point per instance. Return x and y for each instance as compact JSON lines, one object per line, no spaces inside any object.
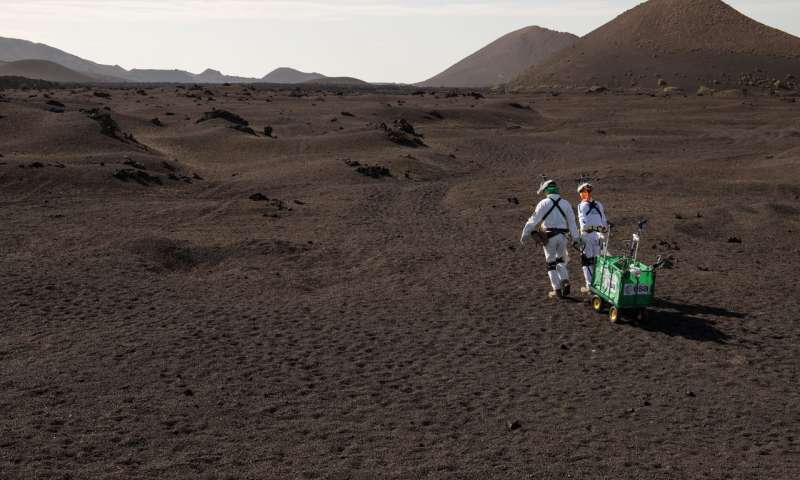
{"x":43,"y":70}
{"x":353,"y":327}
{"x":504,"y":59}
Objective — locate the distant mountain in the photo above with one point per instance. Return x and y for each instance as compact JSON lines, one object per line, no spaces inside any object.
{"x":336,"y":81}
{"x":685,"y":43}
{"x":215,"y":76}
{"x":290,"y":75}
{"x":12,"y":49}
{"x":160,"y":76}
{"x":504,"y":59}
{"x":43,"y":70}
{"x":182,"y":76}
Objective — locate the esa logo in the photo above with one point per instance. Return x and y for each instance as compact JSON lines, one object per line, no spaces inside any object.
{"x":631,"y":290}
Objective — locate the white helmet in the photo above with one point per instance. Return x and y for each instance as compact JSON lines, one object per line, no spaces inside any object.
{"x":548,"y":186}
{"x":585,"y":186}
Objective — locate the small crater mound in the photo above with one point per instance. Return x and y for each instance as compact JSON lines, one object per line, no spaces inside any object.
{"x":373,"y":171}
{"x":224,"y":115}
{"x":243,"y":129}
{"x":108,"y":126}
{"x":167,"y":255}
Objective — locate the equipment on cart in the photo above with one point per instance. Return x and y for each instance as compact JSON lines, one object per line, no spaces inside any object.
{"x":622,"y":283}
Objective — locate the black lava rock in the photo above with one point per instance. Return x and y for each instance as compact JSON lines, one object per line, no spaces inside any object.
{"x":374,"y":171}
{"x":244,"y":129}
{"x":224,"y":115}
{"x":108,"y":126}
{"x":138,"y":176}
{"x":135,"y":164}
{"x":402,"y":137}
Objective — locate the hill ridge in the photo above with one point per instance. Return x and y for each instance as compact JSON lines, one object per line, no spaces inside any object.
{"x":687,"y":42}
{"x":503,"y":59}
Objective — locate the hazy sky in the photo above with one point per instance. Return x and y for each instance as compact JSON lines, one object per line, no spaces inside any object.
{"x":376,"y":40}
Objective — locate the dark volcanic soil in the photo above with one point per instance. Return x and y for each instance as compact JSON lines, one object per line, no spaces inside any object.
{"x":343,"y":326}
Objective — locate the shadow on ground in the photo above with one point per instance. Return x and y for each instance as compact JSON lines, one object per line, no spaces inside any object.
{"x":685,"y":320}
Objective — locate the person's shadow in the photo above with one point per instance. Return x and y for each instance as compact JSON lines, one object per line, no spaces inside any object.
{"x":683,"y":320}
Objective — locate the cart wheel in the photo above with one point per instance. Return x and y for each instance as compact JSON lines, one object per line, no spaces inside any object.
{"x":613,"y":314}
{"x":597,"y":304}
{"x":644,"y":315}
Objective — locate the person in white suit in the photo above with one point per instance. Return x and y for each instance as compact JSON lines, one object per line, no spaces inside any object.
{"x":594,"y":226}
{"x":552,"y":220}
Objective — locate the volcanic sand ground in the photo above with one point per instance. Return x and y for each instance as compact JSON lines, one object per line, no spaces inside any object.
{"x":391,"y":327}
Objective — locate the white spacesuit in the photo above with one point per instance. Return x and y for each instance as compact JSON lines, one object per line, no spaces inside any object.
{"x":594,"y":224}
{"x":553,"y":220}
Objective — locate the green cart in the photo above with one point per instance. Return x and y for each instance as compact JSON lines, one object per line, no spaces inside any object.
{"x":622,"y":283}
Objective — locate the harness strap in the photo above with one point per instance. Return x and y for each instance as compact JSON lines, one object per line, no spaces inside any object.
{"x":593,"y":207}
{"x":555,"y":206}
{"x":591,"y":229}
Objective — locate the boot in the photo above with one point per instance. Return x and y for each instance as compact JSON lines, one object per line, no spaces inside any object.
{"x":565,"y":288}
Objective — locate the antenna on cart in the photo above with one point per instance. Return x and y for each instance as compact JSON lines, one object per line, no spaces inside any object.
{"x":634,"y":251}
